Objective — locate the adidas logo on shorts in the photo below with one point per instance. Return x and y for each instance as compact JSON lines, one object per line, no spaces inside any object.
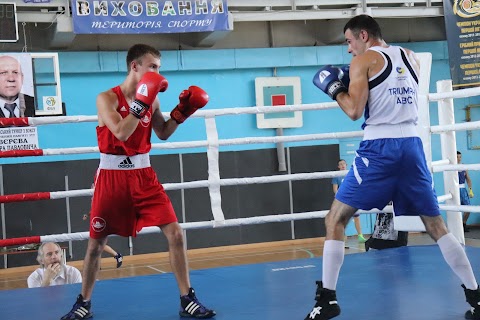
{"x":126,"y":164}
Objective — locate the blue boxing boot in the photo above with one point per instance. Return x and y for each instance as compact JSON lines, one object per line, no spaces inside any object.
{"x":192,"y":308}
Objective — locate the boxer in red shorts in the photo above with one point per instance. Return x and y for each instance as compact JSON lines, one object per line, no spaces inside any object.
{"x":128,"y":195}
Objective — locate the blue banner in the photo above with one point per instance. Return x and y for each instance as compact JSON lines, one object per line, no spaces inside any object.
{"x":134,"y":17}
{"x":463,"y":36}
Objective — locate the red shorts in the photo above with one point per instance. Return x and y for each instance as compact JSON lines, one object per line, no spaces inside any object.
{"x":125,"y":201}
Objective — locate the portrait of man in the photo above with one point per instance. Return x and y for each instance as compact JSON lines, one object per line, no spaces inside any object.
{"x":16,"y":86}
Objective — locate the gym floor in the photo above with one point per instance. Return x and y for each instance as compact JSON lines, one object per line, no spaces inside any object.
{"x":260,"y":281}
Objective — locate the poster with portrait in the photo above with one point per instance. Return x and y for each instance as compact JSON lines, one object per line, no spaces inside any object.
{"x":17,"y":100}
{"x":17,"y":97}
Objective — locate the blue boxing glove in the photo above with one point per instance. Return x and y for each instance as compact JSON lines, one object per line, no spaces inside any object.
{"x":328,"y":80}
{"x":345,"y":75}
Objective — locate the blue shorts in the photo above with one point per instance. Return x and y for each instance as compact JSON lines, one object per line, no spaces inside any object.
{"x":387,"y":170}
{"x":464,"y":198}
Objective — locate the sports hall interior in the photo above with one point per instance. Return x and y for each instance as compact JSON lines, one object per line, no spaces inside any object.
{"x":281,"y":38}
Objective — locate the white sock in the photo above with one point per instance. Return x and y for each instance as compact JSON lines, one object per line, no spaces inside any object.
{"x":456,"y":258}
{"x":333,"y":254}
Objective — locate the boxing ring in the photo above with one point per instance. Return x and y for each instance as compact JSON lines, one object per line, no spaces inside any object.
{"x":410,"y":282}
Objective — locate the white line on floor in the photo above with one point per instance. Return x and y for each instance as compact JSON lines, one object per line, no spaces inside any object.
{"x":158,"y":270}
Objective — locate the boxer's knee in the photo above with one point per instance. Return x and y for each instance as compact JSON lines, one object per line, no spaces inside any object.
{"x":174,"y":234}
{"x":95,"y":246}
{"x":339,"y":214}
{"x":435,"y":226}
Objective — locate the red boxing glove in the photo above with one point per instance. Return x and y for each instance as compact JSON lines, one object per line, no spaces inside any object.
{"x":147,"y":89}
{"x":190,"y":101}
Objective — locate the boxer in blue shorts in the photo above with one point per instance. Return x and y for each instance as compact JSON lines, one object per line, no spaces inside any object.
{"x":466,"y":191}
{"x":382,"y":84}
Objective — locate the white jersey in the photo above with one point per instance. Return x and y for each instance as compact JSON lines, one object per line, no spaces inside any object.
{"x":392,"y":98}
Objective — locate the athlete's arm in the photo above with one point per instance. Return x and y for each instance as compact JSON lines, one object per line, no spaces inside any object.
{"x":468,"y":180}
{"x":414,"y":60}
{"x":354,"y":101}
{"x":163,"y":129}
{"x":469,"y":183}
{"x":335,"y":188}
{"x":121,"y":128}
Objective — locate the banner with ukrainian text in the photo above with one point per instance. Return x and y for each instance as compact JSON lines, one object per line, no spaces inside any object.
{"x":462,"y":24}
{"x":141,"y":17}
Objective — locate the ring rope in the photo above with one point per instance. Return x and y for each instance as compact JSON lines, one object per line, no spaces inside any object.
{"x":456,"y":167}
{"x":16,"y":122}
{"x":177,"y":186}
{"x":36,"y":121}
{"x":444,"y":197}
{"x":473,"y":125}
{"x":182,"y":185}
{"x":227,"y":142}
{"x":440,"y":162}
{"x":63,"y":237}
{"x":189,"y":144}
{"x":462,"y":93}
{"x":223,"y":182}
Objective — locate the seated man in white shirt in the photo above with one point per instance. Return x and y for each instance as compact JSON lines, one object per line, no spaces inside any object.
{"x":53,"y":271}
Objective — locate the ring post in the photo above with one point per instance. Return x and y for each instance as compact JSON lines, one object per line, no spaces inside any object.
{"x":446,"y":116}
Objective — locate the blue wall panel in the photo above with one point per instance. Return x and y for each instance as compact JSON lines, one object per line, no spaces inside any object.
{"x":262,"y":58}
{"x":331,"y":55}
{"x":303,"y":56}
{"x":206,"y":60}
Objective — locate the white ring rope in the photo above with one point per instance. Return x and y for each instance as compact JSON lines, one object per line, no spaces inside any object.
{"x":204,"y":113}
{"x":71,"y":194}
{"x":213,"y":224}
{"x":460,"y":208}
{"x":221,"y":142}
{"x":65,"y":151}
{"x":228,"y":182}
{"x":223,"y":182}
{"x":199,"y":114}
{"x":456,"y":167}
{"x":473,"y":125}
{"x":60,"y":120}
{"x":440,"y":162}
{"x":444,"y":198}
{"x":239,"y":222}
{"x":463,"y":93}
